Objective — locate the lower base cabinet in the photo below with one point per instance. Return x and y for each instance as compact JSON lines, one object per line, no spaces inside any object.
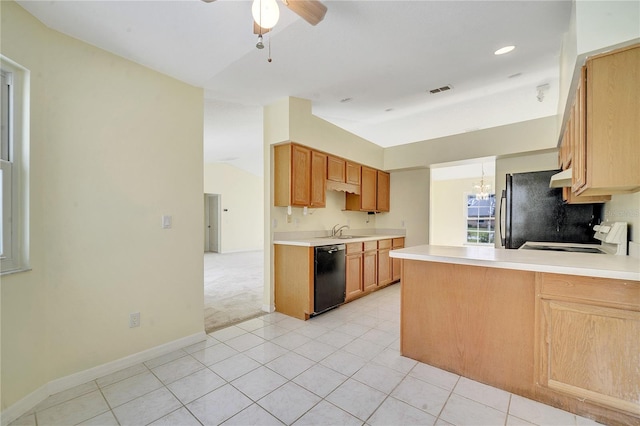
{"x":589,"y":331}
{"x":369,"y":266}
{"x":568,"y":341}
{"x":354,"y":263}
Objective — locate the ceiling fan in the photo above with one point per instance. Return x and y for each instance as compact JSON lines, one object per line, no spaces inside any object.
{"x":312,"y":11}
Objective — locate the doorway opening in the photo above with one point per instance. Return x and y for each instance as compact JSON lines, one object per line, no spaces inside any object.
{"x":233,"y":281}
{"x":212,"y":222}
{"x":462,"y":203}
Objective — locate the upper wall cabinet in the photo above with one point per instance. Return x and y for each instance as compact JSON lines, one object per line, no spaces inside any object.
{"x":574,"y":133}
{"x":299,"y":176}
{"x":302,"y":177}
{"x":336,"y":169}
{"x":342,"y":175}
{"x":383,"y":191}
{"x":606,"y":134}
{"x":374,"y":192}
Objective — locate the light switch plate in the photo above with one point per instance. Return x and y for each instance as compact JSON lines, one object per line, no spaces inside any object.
{"x":166,"y":221}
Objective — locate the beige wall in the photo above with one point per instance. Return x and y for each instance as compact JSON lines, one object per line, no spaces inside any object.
{"x":409,"y":208}
{"x":625,"y":208}
{"x":448,"y":212}
{"x":527,"y":136}
{"x":242,"y":196}
{"x":114,"y":146}
{"x":595,"y":26}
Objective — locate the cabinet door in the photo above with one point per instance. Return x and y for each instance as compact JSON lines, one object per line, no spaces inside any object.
{"x":368,"y":190}
{"x":577,"y":140}
{"x":384,"y":266}
{"x":383,"y":188}
{"x":300,"y":176}
{"x":370,"y":270}
{"x":336,"y":169}
{"x":396,"y":264}
{"x":353,"y":173}
{"x":354,"y":275}
{"x":318,"y":179}
{"x":592,"y":352}
{"x":612,"y":126}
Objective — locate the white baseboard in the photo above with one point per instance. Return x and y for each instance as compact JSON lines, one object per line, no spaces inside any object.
{"x":268,"y":308}
{"x":22,"y":406}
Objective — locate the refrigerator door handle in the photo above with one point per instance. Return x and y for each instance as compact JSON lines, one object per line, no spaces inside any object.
{"x":503,"y":219}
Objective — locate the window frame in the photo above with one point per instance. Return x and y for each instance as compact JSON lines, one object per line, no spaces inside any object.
{"x":466,"y":216}
{"x":15,"y":172}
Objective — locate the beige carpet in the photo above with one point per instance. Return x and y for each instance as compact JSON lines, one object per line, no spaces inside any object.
{"x":233,"y":288}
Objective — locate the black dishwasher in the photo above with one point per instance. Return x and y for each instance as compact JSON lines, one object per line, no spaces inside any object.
{"x":329,"y":277}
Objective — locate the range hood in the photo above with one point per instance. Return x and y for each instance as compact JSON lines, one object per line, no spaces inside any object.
{"x":561,"y":180}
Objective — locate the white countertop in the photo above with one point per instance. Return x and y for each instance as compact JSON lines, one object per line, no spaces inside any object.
{"x":585,"y":264}
{"x":327,"y":241}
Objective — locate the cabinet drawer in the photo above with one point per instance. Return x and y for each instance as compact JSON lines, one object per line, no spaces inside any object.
{"x":354,"y":248}
{"x":370,"y":245}
{"x":398,"y":243}
{"x":384,"y":244}
{"x":599,"y":291}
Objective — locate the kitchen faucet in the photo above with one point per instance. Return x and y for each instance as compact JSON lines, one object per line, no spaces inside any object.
{"x":334,"y":231}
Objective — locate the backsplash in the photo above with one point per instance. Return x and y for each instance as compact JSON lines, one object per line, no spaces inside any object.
{"x":321,"y":218}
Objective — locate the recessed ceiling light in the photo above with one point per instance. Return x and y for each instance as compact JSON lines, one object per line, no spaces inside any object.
{"x":504,"y":50}
{"x":344,"y":100}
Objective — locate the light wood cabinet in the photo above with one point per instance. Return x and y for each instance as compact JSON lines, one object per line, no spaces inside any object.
{"x":293,"y":280}
{"x":318,"y":179}
{"x":370,"y":266}
{"x":368,"y":189}
{"x":336,"y":169}
{"x":374,"y":192}
{"x":606,"y":147}
{"x":383,"y":191}
{"x":385,"y":266}
{"x":589,"y":332}
{"x":354,"y":266}
{"x":564,"y":340}
{"x":340,"y":175}
{"x":353,"y":173}
{"x":299,"y":176}
{"x":571,"y":147}
{"x":396,"y":264}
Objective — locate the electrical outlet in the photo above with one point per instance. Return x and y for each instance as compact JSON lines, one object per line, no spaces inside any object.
{"x":134,"y":319}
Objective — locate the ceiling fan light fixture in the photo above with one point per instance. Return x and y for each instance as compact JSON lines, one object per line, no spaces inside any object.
{"x":259,"y":44}
{"x":265,"y":13}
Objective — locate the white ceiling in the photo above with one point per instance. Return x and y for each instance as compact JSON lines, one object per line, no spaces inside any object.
{"x":382,"y":54}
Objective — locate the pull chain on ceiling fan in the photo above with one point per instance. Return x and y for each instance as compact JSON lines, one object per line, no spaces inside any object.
{"x":266,"y":14}
{"x":312,"y":11}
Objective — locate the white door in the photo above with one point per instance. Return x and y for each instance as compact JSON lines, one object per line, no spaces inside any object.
{"x":212,"y":222}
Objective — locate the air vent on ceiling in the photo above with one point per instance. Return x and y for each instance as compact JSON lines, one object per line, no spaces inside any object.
{"x":441,"y":89}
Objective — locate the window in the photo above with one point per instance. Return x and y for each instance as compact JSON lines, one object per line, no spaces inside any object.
{"x":481,"y":220}
{"x":14,"y":178}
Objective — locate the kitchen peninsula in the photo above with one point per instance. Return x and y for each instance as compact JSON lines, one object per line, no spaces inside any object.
{"x":560,"y":328}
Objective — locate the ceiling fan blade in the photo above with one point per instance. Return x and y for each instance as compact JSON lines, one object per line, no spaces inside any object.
{"x":258,"y":30}
{"x":311,"y":11}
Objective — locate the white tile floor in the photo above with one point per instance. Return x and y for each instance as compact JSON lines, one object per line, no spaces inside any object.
{"x":340,"y":368}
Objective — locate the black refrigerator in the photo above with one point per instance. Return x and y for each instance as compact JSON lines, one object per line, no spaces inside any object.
{"x":531,"y":211}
